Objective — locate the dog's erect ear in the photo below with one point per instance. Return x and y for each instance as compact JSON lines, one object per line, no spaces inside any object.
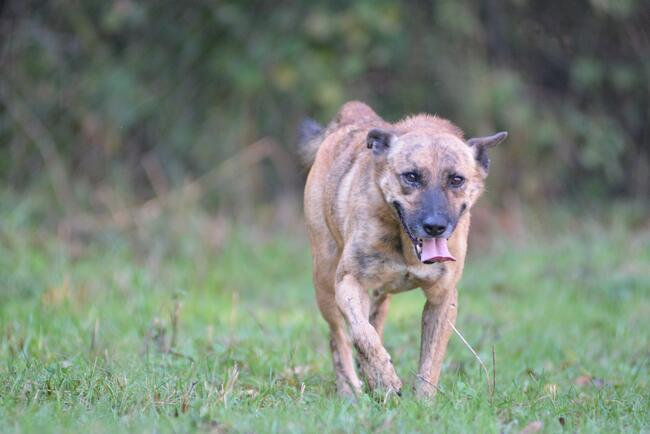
{"x":482,"y":144}
{"x":379,"y":140}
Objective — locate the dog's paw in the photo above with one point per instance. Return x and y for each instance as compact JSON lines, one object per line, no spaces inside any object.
{"x":382,"y":377}
{"x":391,"y":382}
{"x":348,"y":390}
{"x":425,"y":390}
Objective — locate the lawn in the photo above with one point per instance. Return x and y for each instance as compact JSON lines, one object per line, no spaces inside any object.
{"x":187,"y":322}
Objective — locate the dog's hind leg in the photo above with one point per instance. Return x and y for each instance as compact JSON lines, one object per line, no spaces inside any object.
{"x":378,"y":312}
{"x":347,"y":381}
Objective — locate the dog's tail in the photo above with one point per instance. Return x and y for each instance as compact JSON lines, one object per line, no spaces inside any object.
{"x":310,"y":136}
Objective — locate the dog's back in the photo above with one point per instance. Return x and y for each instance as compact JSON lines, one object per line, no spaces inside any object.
{"x":354,"y":115}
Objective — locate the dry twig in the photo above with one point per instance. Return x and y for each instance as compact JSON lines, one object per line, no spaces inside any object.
{"x":487,"y":375}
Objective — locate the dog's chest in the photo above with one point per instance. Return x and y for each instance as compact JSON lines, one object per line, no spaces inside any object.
{"x":397,"y":276}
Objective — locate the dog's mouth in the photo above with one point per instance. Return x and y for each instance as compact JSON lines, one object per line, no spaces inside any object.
{"x":428,"y":250}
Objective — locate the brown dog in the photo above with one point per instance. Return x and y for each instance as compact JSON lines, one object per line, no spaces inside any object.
{"x":387,"y":209}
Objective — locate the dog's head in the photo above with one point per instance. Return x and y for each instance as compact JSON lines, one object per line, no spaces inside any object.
{"x":430,"y":179}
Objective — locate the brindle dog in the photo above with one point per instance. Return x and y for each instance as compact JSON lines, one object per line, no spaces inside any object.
{"x":387,"y":209}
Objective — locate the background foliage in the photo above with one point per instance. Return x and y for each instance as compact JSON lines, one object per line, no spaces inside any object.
{"x":125,"y":93}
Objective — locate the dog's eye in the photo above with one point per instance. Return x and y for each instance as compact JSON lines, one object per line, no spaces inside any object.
{"x":456,"y":181}
{"x":411,"y":177}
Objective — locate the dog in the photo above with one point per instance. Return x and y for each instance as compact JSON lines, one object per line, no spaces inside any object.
{"x":387,"y":208}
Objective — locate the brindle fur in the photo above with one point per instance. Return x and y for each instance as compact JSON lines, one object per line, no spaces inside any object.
{"x":361,"y":253}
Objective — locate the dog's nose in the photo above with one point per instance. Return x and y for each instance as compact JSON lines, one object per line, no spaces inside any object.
{"x":434,"y":226}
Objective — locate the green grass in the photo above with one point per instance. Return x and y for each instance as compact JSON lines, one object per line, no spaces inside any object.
{"x":86,"y":330}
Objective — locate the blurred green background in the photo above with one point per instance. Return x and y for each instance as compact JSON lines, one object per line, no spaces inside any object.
{"x":144,"y":98}
{"x":154,"y":268}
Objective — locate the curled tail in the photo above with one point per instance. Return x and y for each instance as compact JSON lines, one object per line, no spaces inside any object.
{"x":310,"y":136}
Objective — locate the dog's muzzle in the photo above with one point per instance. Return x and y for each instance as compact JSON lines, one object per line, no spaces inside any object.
{"x":431,"y":249}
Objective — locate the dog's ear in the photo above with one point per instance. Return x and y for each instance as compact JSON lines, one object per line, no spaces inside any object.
{"x":379,"y":140}
{"x":482,"y":144}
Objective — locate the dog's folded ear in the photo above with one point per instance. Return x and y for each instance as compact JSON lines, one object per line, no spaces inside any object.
{"x":482,"y":144}
{"x":379,"y":140}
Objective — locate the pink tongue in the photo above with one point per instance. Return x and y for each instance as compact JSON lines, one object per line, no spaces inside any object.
{"x":435,"y":250}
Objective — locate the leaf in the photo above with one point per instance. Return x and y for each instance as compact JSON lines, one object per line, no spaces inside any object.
{"x":551,"y":389}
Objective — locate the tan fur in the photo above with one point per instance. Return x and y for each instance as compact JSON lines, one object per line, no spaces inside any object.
{"x":362,"y":255}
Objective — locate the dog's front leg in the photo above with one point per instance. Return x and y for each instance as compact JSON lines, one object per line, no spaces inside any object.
{"x":376,"y":364}
{"x":436,"y":329}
